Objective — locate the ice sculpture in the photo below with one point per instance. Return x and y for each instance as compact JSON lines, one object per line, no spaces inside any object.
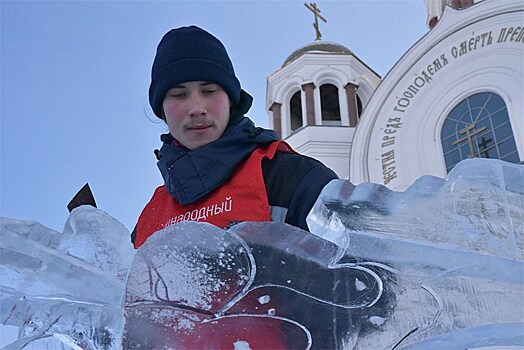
{"x":454,"y":249}
{"x":265,"y":285}
{"x":438,"y":266}
{"x":479,"y":208}
{"x":64,"y":289}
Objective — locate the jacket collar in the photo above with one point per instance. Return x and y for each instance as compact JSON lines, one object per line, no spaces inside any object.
{"x":190,"y":175}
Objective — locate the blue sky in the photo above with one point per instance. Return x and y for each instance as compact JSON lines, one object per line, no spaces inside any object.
{"x":75,"y":77}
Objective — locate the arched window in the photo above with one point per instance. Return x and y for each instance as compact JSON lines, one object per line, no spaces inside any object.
{"x":478,"y":126}
{"x":295,"y":111}
{"x":329,"y":105}
{"x":359,"y":107}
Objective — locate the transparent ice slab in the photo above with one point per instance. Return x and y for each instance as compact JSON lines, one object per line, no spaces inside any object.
{"x":271,"y":281}
{"x":478,"y":208}
{"x":451,"y":251}
{"x":266,"y":285}
{"x":64,"y":288}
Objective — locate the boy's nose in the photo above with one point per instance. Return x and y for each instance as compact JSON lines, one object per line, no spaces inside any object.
{"x":197,"y":106}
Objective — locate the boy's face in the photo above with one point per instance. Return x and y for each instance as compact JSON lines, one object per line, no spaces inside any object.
{"x":196,"y":112}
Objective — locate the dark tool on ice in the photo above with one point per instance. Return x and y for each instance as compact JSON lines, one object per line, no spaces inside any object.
{"x":83,"y":197}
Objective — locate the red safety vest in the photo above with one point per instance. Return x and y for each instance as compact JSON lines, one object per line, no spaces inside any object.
{"x":242,"y":198}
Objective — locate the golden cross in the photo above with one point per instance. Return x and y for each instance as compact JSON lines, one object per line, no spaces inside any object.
{"x":467,"y":130}
{"x":316,"y":11}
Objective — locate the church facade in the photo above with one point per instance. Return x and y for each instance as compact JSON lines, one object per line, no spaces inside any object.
{"x":457,"y":93}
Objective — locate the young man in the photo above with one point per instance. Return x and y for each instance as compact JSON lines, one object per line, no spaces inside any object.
{"x":217,"y":166}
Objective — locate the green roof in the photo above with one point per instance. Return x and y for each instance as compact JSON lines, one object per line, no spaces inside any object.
{"x":322,"y":47}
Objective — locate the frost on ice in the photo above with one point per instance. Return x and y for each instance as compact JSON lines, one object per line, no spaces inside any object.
{"x":64,"y":288}
{"x":450,"y":251}
{"x":437,"y":266}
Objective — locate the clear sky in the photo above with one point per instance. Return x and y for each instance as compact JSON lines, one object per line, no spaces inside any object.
{"x":75,"y":78}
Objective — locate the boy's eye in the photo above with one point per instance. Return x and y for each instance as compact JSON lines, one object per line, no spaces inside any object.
{"x":177,"y":94}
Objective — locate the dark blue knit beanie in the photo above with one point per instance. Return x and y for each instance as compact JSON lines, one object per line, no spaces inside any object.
{"x":190,"y":54}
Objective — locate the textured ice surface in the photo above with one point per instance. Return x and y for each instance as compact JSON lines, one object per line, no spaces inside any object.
{"x":438,"y":266}
{"x":479,"y":208}
{"x":183,"y":288}
{"x":65,"y":288}
{"x":267,"y":285}
{"x":450,"y":251}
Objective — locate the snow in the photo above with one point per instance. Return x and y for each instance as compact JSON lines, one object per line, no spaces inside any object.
{"x":241,"y":345}
{"x":264,"y":299}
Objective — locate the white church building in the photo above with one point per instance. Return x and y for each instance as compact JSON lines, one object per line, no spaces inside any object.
{"x":457,"y":93}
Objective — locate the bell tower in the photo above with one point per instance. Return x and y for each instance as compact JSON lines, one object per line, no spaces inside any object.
{"x":315,"y":99}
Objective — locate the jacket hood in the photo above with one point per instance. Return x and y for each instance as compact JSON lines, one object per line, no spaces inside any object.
{"x":190,"y":175}
{"x":241,"y":108}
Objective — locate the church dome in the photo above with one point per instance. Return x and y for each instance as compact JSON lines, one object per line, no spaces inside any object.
{"x":320,"y":47}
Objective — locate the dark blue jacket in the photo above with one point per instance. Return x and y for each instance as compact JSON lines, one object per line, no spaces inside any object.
{"x":191,"y":174}
{"x":293,"y":182}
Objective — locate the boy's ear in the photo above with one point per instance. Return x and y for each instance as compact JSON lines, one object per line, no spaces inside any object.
{"x":232,"y":110}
